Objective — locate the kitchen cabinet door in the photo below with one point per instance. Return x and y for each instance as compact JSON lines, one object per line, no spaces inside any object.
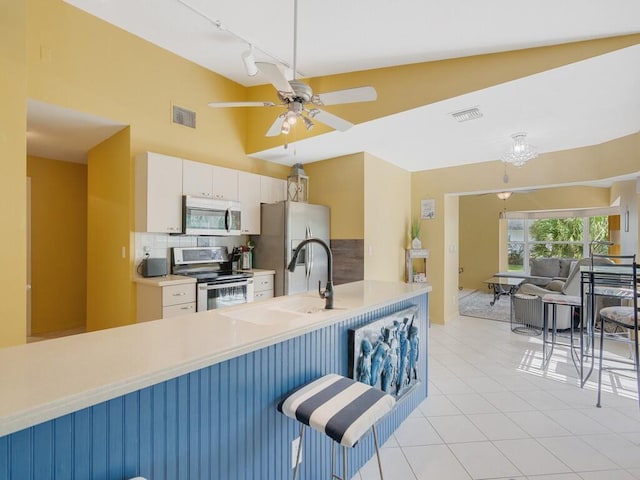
{"x":158,"y":193}
{"x":225,"y":183}
{"x":249,"y":194}
{"x":272,"y":190}
{"x":197,"y":179}
{"x":263,"y":286}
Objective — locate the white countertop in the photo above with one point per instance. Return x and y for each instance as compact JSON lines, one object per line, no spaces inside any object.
{"x":44,"y":380}
{"x":165,"y":280}
{"x":260,"y":271}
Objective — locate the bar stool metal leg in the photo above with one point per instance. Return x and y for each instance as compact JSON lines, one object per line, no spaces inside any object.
{"x":333,"y":463}
{"x":295,"y":471}
{"x":344,"y":463}
{"x":600,"y":363}
{"x":375,"y":441}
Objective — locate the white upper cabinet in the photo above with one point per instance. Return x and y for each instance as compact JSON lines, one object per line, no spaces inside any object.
{"x":225,"y":183}
{"x":197,"y":179}
{"x":158,"y":193}
{"x":249,"y":191}
{"x":204,"y":180}
{"x":272,"y":190}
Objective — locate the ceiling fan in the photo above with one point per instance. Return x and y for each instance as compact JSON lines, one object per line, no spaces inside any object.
{"x":298,"y":99}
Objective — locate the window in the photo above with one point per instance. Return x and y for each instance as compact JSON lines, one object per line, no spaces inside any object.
{"x":570,"y":237}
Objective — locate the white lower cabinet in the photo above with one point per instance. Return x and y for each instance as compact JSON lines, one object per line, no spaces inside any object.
{"x":262,"y":286}
{"x":156,"y":302}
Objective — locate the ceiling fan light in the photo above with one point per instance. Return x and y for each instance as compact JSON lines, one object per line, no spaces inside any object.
{"x":286,"y":128}
{"x":291,"y":119}
{"x":504,"y":195}
{"x":307,"y":123}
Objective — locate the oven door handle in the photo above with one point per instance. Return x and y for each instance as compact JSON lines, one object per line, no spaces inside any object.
{"x":218,"y":286}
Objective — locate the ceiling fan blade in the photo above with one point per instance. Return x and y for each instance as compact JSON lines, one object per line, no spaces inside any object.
{"x":330,"y":119}
{"x":241,"y":104}
{"x":350,"y":95}
{"x":276,"y":127}
{"x":275,"y":76}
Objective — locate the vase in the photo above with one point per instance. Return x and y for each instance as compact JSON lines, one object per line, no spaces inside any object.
{"x":416,"y":244}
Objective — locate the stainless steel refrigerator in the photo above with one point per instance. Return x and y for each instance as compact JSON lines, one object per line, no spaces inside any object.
{"x":283,"y":226}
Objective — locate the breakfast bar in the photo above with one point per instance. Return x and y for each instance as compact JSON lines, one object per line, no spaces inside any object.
{"x":192,"y":396}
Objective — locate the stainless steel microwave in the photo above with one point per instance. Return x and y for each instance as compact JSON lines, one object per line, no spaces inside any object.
{"x":206,"y":216}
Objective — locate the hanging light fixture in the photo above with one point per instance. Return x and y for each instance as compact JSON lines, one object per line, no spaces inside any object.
{"x":520,"y":152}
{"x":503,"y":195}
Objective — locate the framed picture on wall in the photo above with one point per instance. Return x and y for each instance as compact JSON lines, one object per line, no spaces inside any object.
{"x":428,"y":208}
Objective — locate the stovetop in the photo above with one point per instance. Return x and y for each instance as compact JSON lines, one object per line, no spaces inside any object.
{"x":206,"y":264}
{"x":218,"y":276}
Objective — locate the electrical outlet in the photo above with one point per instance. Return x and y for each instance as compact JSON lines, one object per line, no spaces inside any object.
{"x":294,"y":452}
{"x":146,"y":249}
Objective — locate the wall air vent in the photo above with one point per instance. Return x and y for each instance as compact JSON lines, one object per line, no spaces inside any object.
{"x":466,"y":115}
{"x":182,"y":116}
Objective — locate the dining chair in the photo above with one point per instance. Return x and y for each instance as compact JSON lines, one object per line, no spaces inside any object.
{"x":620,"y":282}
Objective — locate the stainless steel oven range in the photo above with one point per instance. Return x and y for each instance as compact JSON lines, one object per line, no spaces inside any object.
{"x":218,"y":284}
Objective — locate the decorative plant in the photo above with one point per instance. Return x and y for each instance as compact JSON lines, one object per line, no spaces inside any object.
{"x":415,"y":228}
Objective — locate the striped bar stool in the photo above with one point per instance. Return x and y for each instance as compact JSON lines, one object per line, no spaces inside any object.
{"x":341,"y":408}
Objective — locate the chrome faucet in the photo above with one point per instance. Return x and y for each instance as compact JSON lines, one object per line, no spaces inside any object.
{"x":327,"y":293}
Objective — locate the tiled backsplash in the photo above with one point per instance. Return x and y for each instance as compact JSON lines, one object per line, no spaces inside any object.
{"x":159,"y":244}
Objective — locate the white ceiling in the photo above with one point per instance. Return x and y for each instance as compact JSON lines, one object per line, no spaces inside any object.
{"x":581,"y":104}
{"x":63,"y":134}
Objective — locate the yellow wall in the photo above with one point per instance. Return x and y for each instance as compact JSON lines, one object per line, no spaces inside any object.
{"x":339,"y":183}
{"x":387,"y":219}
{"x":450,"y":257}
{"x":370,"y":199}
{"x":479,"y":224}
{"x":626,"y":195}
{"x":81,"y":62}
{"x":58,"y":244}
{"x":110,"y":300}
{"x":13,"y":191}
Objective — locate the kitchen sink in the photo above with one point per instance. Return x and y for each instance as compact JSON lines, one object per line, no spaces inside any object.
{"x":294,"y":308}
{"x":304,"y":305}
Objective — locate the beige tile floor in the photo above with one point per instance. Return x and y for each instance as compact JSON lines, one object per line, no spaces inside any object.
{"x":493,"y":413}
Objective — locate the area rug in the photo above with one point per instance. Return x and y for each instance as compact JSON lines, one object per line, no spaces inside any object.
{"x":476,"y":304}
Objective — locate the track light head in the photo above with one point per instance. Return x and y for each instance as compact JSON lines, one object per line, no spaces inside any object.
{"x":249,"y":62}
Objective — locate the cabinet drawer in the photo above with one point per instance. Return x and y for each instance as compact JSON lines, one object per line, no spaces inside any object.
{"x":257,"y":296}
{"x":177,"y":310}
{"x":176,"y":294}
{"x":262,"y":283}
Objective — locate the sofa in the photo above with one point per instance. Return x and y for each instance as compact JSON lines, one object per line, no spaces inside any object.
{"x":547,"y":270}
{"x":567,"y":286}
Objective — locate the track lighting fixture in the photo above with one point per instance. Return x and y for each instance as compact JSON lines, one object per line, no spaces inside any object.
{"x":249,"y":62}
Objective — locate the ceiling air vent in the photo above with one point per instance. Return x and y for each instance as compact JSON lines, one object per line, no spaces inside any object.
{"x":468,"y":114}
{"x":182,"y":116}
